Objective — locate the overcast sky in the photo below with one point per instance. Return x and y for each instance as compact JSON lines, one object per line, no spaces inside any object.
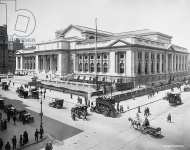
{"x":168,"y":16}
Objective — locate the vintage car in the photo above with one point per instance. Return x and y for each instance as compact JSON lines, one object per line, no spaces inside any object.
{"x":2,"y":104}
{"x":35,"y":93}
{"x":174,"y":99}
{"x":21,"y":92}
{"x":80,"y":111}
{"x":187,"y":88}
{"x":5,"y":86}
{"x":25,"y":116}
{"x":57,"y":103}
{"x":10,"y":109}
{"x":105,"y":106}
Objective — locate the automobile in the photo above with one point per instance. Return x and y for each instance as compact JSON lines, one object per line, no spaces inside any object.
{"x":187,"y":88}
{"x":105,"y":106}
{"x":80,"y":111}
{"x":57,"y":103}
{"x":174,"y":99}
{"x":25,"y":116}
{"x":5,"y":86}
{"x":2,"y":104}
{"x":10,"y":109}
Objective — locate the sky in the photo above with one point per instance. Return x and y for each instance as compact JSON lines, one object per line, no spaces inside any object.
{"x":171,"y":17}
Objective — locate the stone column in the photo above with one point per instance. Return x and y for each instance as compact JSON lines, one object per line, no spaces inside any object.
{"x":129,"y":61}
{"x":143,"y":63}
{"x":44,"y":63}
{"x":112,"y":62}
{"x":166,"y":63}
{"x":149,"y":63}
{"x":116,"y":62}
{"x":172,"y":63}
{"x":161,"y":63}
{"x":21,"y":63}
{"x":155,"y":63}
{"x":37,"y":64}
{"x":51,"y":63}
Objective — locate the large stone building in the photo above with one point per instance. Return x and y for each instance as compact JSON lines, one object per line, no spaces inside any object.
{"x":3,"y":50}
{"x":140,"y":57}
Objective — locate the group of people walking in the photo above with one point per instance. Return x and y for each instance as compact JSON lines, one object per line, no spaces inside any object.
{"x":22,"y":141}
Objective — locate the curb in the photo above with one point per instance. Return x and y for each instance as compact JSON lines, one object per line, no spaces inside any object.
{"x":33,"y":143}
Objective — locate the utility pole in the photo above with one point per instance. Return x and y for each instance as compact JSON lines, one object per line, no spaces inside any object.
{"x":95,"y":58}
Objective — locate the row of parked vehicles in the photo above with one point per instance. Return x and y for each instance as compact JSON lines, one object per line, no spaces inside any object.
{"x":21,"y":115}
{"x":23,"y":93}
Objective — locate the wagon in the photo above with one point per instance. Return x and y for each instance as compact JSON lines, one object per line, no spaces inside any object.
{"x":156,"y":132}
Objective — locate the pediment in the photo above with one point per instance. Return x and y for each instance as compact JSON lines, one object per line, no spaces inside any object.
{"x":119,"y":43}
{"x":73,"y":32}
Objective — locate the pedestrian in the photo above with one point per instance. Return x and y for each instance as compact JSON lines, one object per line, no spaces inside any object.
{"x":118,"y":107}
{"x":8,"y":146}
{"x":21,"y":140}
{"x":169,"y":118}
{"x":14,"y":142}
{"x":0,"y":115}
{"x":14,"y":119}
{"x":5,"y":124}
{"x":1,"y":144}
{"x":36,"y":135}
{"x":8,"y":116}
{"x":71,"y":96}
{"x":25,"y":137}
{"x":41,"y":132}
{"x":139,"y":109}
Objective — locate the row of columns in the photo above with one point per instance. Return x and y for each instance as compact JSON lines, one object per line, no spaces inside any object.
{"x":170,"y":63}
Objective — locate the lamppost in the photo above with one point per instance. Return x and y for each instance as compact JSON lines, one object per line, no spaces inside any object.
{"x":42,"y":93}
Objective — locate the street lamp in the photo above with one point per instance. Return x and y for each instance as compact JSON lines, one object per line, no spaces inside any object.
{"x":42,"y":93}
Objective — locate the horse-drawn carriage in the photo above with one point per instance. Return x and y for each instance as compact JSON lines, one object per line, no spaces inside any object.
{"x":57,"y":103}
{"x":145,"y":127}
{"x":79,"y":111}
{"x":174,"y":99}
{"x":104,"y":106}
{"x":5,"y":86}
{"x":25,"y":116}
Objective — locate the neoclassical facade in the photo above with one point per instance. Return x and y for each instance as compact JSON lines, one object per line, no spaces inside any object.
{"x":141,"y":57}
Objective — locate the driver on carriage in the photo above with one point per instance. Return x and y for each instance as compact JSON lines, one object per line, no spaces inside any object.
{"x":146,"y":122}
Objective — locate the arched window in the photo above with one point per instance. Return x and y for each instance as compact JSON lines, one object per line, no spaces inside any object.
{"x":105,"y":69}
{"x":91,"y":37}
{"x":80,"y":67}
{"x":98,"y":67}
{"x":121,"y":68}
{"x":86,"y":67}
{"x":92,"y":67}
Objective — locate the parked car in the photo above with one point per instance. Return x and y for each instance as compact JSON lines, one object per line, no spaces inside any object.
{"x":25,"y":116}
{"x":57,"y":103}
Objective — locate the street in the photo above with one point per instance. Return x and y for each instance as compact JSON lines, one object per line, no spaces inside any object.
{"x":101,"y":132}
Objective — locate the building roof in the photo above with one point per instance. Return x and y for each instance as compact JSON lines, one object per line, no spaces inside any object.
{"x":84,"y":29}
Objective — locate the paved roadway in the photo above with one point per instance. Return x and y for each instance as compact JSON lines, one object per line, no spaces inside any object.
{"x":55,"y":129}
